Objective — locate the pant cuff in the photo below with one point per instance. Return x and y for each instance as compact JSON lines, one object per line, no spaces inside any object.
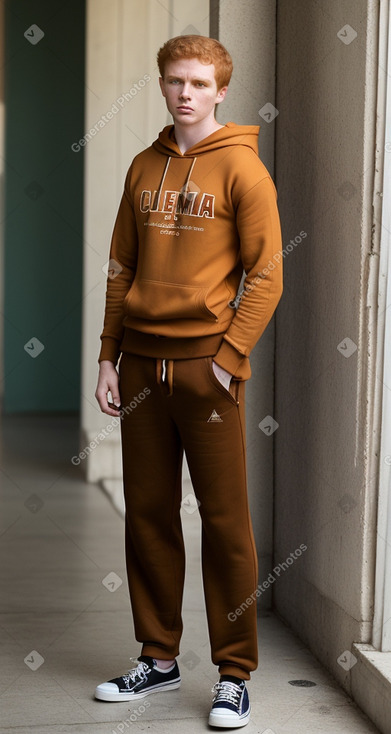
{"x":234,"y":670}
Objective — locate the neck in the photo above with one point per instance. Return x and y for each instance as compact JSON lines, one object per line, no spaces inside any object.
{"x":186,"y":137}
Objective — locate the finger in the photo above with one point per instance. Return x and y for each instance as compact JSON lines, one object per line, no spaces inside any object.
{"x":114,"y":389}
{"x":110,"y":409}
{"x":102,"y":398}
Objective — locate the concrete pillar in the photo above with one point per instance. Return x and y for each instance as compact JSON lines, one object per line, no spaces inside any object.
{"x":247,"y":29}
{"x":122,"y":41}
{"x":325,"y":497}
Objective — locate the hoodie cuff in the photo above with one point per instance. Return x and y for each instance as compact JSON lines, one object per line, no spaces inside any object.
{"x":231,"y":360}
{"x":109,"y":350}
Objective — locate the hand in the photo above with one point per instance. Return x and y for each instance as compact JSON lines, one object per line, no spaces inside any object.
{"x":108,"y":381}
{"x":222,"y":375}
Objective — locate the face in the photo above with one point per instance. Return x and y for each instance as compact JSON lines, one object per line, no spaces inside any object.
{"x":190,"y":90}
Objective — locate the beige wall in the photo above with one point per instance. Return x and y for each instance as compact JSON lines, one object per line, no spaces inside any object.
{"x":123,"y":37}
{"x":325,"y":495}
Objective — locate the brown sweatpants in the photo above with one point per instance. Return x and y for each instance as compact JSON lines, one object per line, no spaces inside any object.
{"x":171,"y":406}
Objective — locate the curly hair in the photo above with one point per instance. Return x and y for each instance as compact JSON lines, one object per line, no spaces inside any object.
{"x":206,"y":50}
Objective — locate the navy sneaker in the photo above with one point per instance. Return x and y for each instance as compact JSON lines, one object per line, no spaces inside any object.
{"x":231,"y":706}
{"x":139,"y":681}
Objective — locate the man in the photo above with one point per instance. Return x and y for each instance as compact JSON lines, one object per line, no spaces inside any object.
{"x":198,"y":207}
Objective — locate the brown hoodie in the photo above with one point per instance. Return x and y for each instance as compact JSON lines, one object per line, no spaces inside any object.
{"x":187,"y":226}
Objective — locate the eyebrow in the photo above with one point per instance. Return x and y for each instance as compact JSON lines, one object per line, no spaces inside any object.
{"x":176,"y":76}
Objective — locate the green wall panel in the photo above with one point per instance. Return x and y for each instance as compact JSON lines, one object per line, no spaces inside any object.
{"x":43,"y":229}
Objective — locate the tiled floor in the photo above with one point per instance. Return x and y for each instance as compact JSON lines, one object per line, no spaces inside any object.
{"x":65,"y":629}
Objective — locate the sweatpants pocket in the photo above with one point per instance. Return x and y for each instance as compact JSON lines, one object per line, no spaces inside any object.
{"x":233,"y":391}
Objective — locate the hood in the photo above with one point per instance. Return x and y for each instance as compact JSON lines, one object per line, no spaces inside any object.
{"x":230,"y":134}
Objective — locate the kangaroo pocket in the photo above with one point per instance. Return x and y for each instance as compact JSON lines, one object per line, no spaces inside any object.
{"x":157,"y":301}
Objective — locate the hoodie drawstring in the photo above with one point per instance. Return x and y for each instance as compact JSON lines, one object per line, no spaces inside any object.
{"x":159,"y":191}
{"x":188,"y":178}
{"x":165,"y":373}
{"x":184,"y":188}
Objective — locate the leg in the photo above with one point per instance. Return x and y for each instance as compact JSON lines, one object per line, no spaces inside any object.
{"x":211,"y":422}
{"x":152,"y":469}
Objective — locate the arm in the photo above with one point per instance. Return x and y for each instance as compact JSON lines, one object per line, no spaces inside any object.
{"x":258,"y":225}
{"x":123,"y":257}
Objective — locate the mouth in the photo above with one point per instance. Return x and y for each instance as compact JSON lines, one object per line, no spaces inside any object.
{"x":185,"y":108}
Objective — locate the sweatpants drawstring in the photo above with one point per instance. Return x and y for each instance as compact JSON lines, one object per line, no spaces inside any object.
{"x":165,"y":373}
{"x":170,"y":376}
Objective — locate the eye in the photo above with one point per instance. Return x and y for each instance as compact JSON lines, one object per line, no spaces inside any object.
{"x":174,"y":81}
{"x":200,"y":84}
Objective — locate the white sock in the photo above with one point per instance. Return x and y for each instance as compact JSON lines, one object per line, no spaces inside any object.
{"x":165,"y":669}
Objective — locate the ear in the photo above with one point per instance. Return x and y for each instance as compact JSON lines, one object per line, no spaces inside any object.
{"x":161,"y":82}
{"x":221,"y":94}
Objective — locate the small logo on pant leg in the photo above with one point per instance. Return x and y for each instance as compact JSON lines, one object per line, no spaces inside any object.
{"x":214,"y":417}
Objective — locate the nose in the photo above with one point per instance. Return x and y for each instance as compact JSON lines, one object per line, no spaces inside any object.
{"x":185,"y":93}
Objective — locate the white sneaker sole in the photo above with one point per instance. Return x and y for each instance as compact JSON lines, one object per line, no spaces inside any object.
{"x":108,"y":696}
{"x":227,"y":721}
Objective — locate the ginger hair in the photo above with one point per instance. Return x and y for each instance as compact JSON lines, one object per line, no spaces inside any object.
{"x":206,"y":50}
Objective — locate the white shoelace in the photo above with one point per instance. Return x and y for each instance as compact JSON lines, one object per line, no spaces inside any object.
{"x":139,"y":671}
{"x":227,"y":691}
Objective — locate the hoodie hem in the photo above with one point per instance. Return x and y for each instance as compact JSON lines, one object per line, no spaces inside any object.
{"x":167,"y":347}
